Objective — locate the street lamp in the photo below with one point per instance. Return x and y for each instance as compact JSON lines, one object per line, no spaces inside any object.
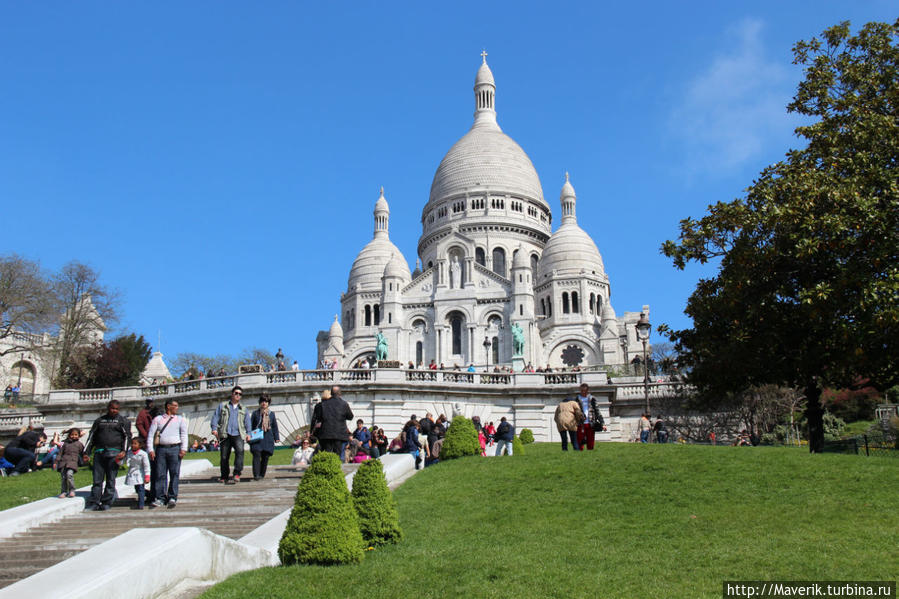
{"x":487,"y":345}
{"x":643,"y":329}
{"x":21,"y":364}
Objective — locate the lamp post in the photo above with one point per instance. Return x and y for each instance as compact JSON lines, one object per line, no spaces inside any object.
{"x":487,"y":345}
{"x":21,"y":364}
{"x":643,"y":329}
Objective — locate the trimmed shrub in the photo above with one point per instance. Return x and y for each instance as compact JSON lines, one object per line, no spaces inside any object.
{"x":375,"y":505}
{"x":526,"y":436}
{"x":323,"y":527}
{"x":461,"y":439}
{"x":517,"y":446}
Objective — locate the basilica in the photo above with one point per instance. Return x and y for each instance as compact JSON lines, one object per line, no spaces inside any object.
{"x":494,"y":285}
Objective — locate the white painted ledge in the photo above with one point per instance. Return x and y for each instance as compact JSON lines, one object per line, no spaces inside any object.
{"x":43,"y":511}
{"x":144,"y":563}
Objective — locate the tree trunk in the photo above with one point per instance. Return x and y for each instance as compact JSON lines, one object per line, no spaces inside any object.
{"x":814,"y":414}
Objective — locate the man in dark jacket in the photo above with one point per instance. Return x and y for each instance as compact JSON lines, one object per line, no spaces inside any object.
{"x":329,"y":422}
{"x":22,"y":450}
{"x":505,"y":432}
{"x":110,"y":436}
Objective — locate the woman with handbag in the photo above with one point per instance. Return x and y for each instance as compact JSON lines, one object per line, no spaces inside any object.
{"x":263,"y":436}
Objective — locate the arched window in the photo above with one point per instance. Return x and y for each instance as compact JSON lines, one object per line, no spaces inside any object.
{"x":534,"y":261}
{"x":389,"y":317}
{"x":499,"y":261}
{"x":377,"y":314}
{"x":367,"y":315}
{"x":549,"y":306}
{"x":599,"y":304}
{"x":542,"y":307}
{"x":575,"y":304}
{"x":456,"y":324}
{"x":495,"y":349}
{"x":480,"y":257}
{"x":353,"y":318}
{"x":592,"y":302}
{"x":565,"y":308}
{"x":419,"y":353}
{"x":521,"y":309}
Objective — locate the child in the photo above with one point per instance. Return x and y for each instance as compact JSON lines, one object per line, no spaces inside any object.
{"x":138,"y":470}
{"x":67,"y":462}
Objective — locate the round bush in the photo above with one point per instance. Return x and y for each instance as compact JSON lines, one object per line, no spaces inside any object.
{"x":461,"y":439}
{"x":517,"y":446}
{"x":375,"y":505}
{"x":323,"y":526}
{"x":526,"y":436}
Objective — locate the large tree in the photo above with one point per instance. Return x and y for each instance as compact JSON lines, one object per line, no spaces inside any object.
{"x":807,"y":291}
{"x":88,"y":308}
{"x":27,"y":304}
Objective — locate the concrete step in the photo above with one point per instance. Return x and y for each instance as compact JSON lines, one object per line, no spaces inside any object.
{"x":228,"y":510}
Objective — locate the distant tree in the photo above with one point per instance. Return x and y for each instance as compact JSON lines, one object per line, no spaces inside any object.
{"x":664,"y":356}
{"x":807,"y":292}
{"x":184,"y":361}
{"x":135,"y":353}
{"x":26,"y":303}
{"x":118,"y":363}
{"x":88,"y":308}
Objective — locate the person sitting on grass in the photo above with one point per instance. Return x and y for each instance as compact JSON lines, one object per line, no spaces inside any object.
{"x":303,"y":455}
{"x":21,"y":451}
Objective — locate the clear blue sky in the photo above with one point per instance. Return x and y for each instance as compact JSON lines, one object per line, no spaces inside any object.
{"x":218,"y":162}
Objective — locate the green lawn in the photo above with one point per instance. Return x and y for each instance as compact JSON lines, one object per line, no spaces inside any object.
{"x":627,"y":520}
{"x":16,"y":490}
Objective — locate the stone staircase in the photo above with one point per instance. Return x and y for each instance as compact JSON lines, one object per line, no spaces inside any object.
{"x":228,"y":510}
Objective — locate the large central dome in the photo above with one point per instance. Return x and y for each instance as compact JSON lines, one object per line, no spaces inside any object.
{"x":486,"y":159}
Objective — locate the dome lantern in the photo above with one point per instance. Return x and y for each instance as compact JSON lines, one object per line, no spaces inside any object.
{"x":382,"y":216}
{"x":484,"y":96}
{"x":568,"y":199}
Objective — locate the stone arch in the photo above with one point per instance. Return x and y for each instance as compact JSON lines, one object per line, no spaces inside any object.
{"x":583,"y":342}
{"x":28,"y":373}
{"x":499,"y":257}
{"x":458,"y":252}
{"x":458,"y":332}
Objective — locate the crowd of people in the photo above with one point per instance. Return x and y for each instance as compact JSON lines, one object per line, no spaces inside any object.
{"x":11,"y":394}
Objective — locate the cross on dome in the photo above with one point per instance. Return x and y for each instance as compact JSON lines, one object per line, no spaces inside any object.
{"x":484,"y":55}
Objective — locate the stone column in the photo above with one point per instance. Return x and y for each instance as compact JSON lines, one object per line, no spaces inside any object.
{"x":469,"y":271}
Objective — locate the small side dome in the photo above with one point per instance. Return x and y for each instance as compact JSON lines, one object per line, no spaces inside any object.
{"x":336,"y":330}
{"x":397,"y":267}
{"x":608,"y":312}
{"x":520,"y":259}
{"x":569,"y":251}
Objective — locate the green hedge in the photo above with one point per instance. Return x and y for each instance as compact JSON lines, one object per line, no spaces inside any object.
{"x":461,"y":439}
{"x":527,"y":436}
{"x":323,"y":526}
{"x":375,"y":505}
{"x":517,"y":446}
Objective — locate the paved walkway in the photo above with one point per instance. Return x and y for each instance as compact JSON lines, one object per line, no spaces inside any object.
{"x":228,"y":510}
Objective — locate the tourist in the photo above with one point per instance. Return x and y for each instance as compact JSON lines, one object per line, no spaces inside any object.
{"x":432,"y":365}
{"x":743,"y":439}
{"x":230,"y":425}
{"x":435,"y":439}
{"x":476,"y":421}
{"x":398,"y":444}
{"x":411,"y":444}
{"x":491,"y":434}
{"x":644,"y":427}
{"x":379,"y":440}
{"x":471,"y":368}
{"x":303,"y":455}
{"x":586,"y":432}
{"x":661,"y":431}
{"x":138,"y":470}
{"x":569,"y":417}
{"x":329,"y":421}
{"x":263,"y":420}
{"x":168,"y":451}
{"x":68,"y":461}
{"x":295,"y":366}
{"x":504,"y":435}
{"x":363,"y":435}
{"x":110,"y":436}
{"x":482,"y":441}
{"x":144,"y":419}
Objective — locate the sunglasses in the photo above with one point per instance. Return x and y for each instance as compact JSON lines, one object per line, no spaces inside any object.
{"x":237,"y":393}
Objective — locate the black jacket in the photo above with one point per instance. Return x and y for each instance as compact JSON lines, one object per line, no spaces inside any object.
{"x":27,"y":441}
{"x":331,"y":415}
{"x":109,"y":432}
{"x":505,"y":432}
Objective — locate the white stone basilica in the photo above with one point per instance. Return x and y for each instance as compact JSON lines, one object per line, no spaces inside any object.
{"x":490,"y":262}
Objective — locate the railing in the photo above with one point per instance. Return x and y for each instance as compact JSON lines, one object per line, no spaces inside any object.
{"x":317,"y":375}
{"x":495,"y":379}
{"x":355,"y":375}
{"x":421,"y":375}
{"x":187,"y":387}
{"x":220,"y":382}
{"x":154,"y":391}
{"x":95,"y":395}
{"x":281,"y":377}
{"x":567,"y":378}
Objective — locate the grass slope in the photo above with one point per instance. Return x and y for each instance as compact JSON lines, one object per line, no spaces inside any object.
{"x":626,"y":520}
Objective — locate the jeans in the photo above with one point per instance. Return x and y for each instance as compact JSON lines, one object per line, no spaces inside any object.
{"x":500,"y":444}
{"x":67,"y":477}
{"x":260,"y":463}
{"x":168,"y":470}
{"x":569,"y":435}
{"x":141,"y":495}
{"x":104,"y":468}
{"x":22,"y":458}
{"x":644,"y":436}
{"x":227,"y":444}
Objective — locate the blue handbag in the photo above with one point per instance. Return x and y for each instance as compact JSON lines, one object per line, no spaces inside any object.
{"x":256,"y":435}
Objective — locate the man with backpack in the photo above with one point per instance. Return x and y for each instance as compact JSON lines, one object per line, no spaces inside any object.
{"x":586,"y":432}
{"x":505,"y":432}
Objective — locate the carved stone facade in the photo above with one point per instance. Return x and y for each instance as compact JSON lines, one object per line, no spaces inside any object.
{"x":489,"y":258}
